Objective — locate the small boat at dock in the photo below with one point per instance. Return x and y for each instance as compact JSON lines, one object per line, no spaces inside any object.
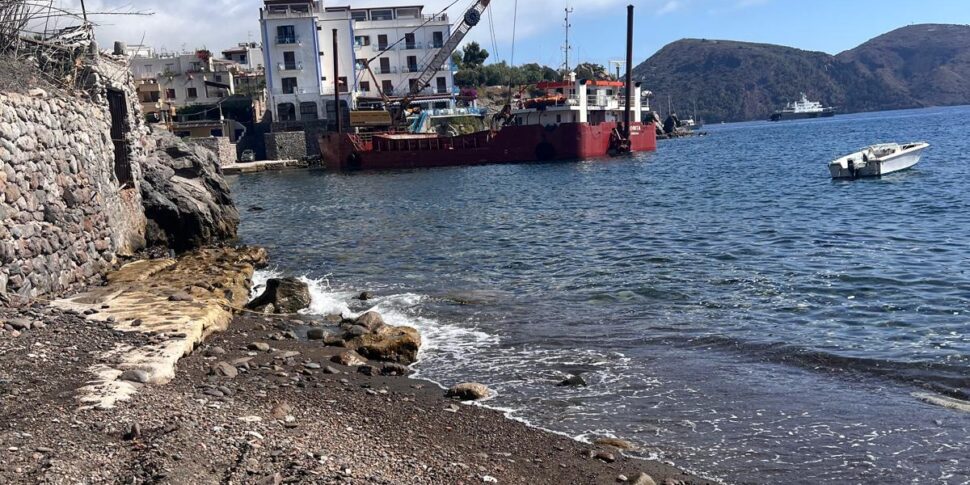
{"x":877,"y":160}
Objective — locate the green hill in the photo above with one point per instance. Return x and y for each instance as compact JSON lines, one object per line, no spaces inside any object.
{"x":914,"y":66}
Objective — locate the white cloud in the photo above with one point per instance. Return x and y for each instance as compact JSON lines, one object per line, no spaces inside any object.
{"x":217,"y":24}
{"x":669,"y":7}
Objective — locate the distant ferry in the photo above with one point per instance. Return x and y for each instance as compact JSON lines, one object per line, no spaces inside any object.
{"x":802,"y":109}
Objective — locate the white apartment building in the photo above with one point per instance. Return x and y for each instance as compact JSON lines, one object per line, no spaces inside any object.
{"x":184,"y":79}
{"x":247,"y":55}
{"x":298,"y":40}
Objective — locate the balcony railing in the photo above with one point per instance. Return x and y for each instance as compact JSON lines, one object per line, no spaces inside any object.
{"x":288,"y":39}
{"x":411,"y":69}
{"x":278,"y":92}
{"x":386,"y":70}
{"x":288,"y":66}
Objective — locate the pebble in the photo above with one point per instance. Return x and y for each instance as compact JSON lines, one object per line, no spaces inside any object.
{"x":330,"y":370}
{"x":316,"y":333}
{"x":259,"y":346}
{"x":214,"y":351}
{"x":224,"y":369}
{"x":605,"y":456}
{"x":643,"y":479}
{"x":311,"y":365}
{"x":135,"y":375}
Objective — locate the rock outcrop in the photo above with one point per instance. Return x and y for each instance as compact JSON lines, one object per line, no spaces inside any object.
{"x":388,"y":344}
{"x":282,"y":295}
{"x":186,"y":200}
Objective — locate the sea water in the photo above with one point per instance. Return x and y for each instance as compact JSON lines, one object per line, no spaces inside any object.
{"x":732,"y":309}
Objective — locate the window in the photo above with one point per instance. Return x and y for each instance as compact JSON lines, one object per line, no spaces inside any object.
{"x":286,"y":34}
{"x":218,"y":78}
{"x":289,"y":85}
{"x":382,"y":14}
{"x":216,"y":132}
{"x":409,"y":41}
{"x":342,"y":82}
{"x":441,"y":105}
{"x":382,"y":41}
{"x":387,"y":87}
{"x":365,"y":86}
{"x":170,"y":68}
{"x":286,"y":112}
{"x":442,"y":85}
{"x":196,"y":66}
{"x":362,"y":40}
{"x":289,"y":60}
{"x":308,"y":111}
{"x":148,"y":69}
{"x":242,"y":58}
{"x":385,"y":65}
{"x":412,"y":63}
{"x":169,"y":94}
{"x":361,"y":64}
{"x":359,"y":15}
{"x":409,"y":13}
{"x":192,"y":93}
{"x":437,"y":39}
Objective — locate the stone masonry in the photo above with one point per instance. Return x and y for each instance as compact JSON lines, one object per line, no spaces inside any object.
{"x":286,"y":145}
{"x":64,"y":216}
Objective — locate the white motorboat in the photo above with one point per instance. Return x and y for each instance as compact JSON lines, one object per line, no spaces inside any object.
{"x":877,"y":160}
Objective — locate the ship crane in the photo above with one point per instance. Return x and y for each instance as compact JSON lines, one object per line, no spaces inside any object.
{"x":471,"y":18}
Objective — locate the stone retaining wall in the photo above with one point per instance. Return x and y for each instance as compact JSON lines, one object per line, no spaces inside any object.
{"x":64,"y":216}
{"x":286,"y":145}
{"x":224,"y":149}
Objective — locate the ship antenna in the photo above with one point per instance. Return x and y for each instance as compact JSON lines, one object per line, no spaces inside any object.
{"x":566,"y":47}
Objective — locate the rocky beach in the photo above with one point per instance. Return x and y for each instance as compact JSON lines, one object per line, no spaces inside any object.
{"x":258,"y":403}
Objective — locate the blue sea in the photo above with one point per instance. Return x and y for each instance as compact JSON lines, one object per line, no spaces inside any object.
{"x":732,"y":309}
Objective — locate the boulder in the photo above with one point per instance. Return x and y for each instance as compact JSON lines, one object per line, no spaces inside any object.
{"x":316,"y":333}
{"x":615,"y":443}
{"x":392,"y":369}
{"x":468,"y":391}
{"x":282,"y":295}
{"x":642,"y":479}
{"x":389,"y":344}
{"x":349,"y":358}
{"x":186,"y":199}
{"x":365,"y":295}
{"x":371,"y":320}
{"x":573,"y":381}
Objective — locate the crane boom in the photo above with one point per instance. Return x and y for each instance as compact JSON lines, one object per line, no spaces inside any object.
{"x":470,"y":19}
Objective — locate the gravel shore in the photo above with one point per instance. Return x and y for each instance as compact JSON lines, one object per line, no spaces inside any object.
{"x":240,"y":411}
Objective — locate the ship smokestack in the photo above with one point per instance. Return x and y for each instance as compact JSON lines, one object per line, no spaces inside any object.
{"x":629,"y":71}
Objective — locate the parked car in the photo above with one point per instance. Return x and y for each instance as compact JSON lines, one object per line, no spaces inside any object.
{"x":248,"y":156}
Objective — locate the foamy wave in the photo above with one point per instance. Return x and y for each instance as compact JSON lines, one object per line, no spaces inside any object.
{"x":323,"y":299}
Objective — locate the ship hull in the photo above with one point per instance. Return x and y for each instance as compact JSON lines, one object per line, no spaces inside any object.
{"x":801,"y":116}
{"x":523,"y":143}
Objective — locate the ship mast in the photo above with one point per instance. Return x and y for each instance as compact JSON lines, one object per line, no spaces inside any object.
{"x":566,"y":47}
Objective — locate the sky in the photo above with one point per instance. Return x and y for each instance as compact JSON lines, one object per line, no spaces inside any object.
{"x":598,"y":26}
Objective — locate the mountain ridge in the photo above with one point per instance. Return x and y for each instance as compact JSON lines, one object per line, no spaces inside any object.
{"x":909,"y":67}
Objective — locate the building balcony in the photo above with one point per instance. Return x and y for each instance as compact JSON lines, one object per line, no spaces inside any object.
{"x":295,"y":91}
{"x":287,"y":66}
{"x":288,"y":40}
{"x":289,"y":12}
{"x":385,"y":70}
{"x":411,"y":69}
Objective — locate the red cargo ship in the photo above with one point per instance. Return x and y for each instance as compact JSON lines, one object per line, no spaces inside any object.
{"x":573,"y":120}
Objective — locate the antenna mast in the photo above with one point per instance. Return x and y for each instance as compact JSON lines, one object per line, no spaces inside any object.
{"x":566,"y":47}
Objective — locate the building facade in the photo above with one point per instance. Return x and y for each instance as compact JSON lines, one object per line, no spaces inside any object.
{"x":248,"y":56}
{"x":172,"y":81}
{"x":298,"y":45}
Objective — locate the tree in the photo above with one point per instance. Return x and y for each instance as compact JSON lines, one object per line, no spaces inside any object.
{"x":457,"y":59}
{"x":473,"y":55}
{"x":588,"y":70}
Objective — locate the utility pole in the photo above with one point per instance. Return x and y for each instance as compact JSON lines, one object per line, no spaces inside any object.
{"x":566,"y":47}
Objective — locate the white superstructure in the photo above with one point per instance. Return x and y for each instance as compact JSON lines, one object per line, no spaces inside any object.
{"x":297,"y":40}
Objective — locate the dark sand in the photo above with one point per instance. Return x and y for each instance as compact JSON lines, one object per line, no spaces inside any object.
{"x":280,"y":420}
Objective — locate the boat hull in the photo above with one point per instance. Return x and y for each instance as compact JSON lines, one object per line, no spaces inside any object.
{"x":801,"y":116}
{"x":522,"y":143}
{"x":849,"y":167}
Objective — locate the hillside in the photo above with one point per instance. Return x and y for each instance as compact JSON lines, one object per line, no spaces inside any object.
{"x":914,"y":66}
